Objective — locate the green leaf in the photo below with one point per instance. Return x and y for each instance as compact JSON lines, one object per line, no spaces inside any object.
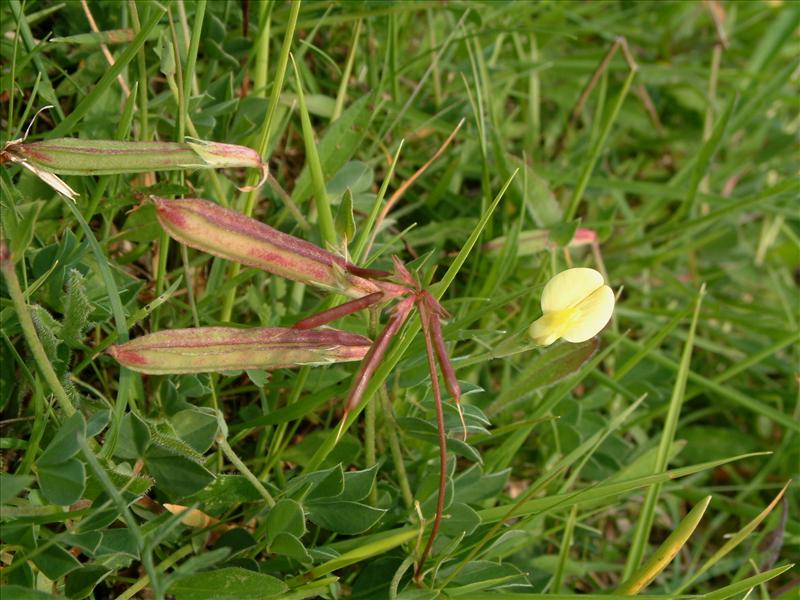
{"x":285,"y":544}
{"x":134,"y":437}
{"x":225,"y":491}
{"x":460,"y":519}
{"x":345,"y":517}
{"x":355,"y":175}
{"x":12,"y":485}
{"x":327,"y":483}
{"x":165,"y":53}
{"x":664,"y":554}
{"x":358,"y":484}
{"x":345,"y":223}
{"x":55,"y":562}
{"x":81,"y":582}
{"x":426,"y":431}
{"x":196,"y":426}
{"x":77,"y":309}
{"x":286,"y":516}
{"x":18,"y":221}
{"x":64,"y":444}
{"x":473,"y":485}
{"x":62,"y":483}
{"x":17,"y":592}
{"x":176,"y":476}
{"x":232,"y":583}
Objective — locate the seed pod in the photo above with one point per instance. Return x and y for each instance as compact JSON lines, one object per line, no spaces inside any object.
{"x":231,"y":235}
{"x":72,"y":156}
{"x":214,"y":349}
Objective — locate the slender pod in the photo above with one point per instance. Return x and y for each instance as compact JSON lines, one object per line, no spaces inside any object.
{"x":73,"y":156}
{"x":228,"y":234}
{"x":215,"y":349}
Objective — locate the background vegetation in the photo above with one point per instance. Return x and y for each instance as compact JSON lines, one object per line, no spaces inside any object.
{"x":684,"y":165}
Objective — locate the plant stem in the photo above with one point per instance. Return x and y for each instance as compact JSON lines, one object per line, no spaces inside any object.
{"x":244,"y":470}
{"x":29,"y":331}
{"x":394,"y":445}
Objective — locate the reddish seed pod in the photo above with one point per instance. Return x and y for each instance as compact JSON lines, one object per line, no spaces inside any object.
{"x":231,"y":235}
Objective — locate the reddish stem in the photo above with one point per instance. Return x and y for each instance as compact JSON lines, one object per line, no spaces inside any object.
{"x":337,"y":312}
{"x":376,"y":354}
{"x":427,"y":318}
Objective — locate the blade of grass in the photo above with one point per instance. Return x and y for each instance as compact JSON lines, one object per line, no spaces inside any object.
{"x":327,"y":231}
{"x":733,"y":541}
{"x":647,"y":514}
{"x":68,"y":124}
{"x":666,"y":551}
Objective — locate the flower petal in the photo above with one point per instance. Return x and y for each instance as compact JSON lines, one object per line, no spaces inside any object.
{"x":547,"y":329}
{"x":590,"y":315}
{"x":569,"y":288}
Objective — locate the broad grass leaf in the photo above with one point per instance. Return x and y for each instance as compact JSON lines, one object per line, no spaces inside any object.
{"x":232,"y":583}
{"x":483,"y":574}
{"x":338,"y":144}
{"x":546,"y":369}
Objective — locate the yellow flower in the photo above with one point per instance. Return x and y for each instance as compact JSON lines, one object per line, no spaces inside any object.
{"x":576,"y":304}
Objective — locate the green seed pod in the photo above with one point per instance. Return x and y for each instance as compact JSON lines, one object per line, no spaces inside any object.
{"x":72,"y":156}
{"x":215,"y":349}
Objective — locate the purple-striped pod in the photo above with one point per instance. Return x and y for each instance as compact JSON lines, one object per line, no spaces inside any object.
{"x":228,"y":234}
{"x":216,"y":349}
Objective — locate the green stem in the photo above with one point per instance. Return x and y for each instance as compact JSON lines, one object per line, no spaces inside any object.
{"x":394,"y":446}
{"x":244,"y":470}
{"x":29,"y":331}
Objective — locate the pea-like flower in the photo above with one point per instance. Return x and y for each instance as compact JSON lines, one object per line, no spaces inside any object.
{"x":576,"y":304}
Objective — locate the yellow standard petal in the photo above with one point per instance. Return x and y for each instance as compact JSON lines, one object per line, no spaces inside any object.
{"x":576,"y":305}
{"x":590,"y":316}
{"x":568,"y":288}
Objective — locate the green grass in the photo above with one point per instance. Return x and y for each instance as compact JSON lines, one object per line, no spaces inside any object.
{"x":682,"y":158}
